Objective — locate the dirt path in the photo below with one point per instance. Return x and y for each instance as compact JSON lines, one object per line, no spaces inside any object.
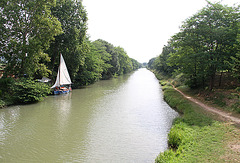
{"x":223,"y":114}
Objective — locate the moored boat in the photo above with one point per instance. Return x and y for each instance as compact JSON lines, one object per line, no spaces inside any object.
{"x":63,"y":80}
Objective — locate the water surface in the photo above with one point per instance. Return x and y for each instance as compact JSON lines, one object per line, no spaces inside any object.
{"x":119,"y":120}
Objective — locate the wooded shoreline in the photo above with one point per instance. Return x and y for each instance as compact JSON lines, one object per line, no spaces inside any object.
{"x":33,"y":35}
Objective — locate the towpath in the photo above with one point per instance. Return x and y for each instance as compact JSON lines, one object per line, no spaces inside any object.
{"x":225,"y":115}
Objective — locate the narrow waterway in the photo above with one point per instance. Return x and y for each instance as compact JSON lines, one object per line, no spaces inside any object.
{"x":124,"y":119}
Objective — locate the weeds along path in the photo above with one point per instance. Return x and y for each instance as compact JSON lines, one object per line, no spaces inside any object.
{"x":223,"y":114}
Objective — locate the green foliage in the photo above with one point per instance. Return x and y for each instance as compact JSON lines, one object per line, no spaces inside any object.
{"x":27,"y":27}
{"x":219,"y":100}
{"x":29,"y":91}
{"x":2,"y":103}
{"x":111,"y":58}
{"x":236,"y":107}
{"x":179,"y":80}
{"x":161,"y":63}
{"x":167,"y":156}
{"x":238,"y":89}
{"x":71,"y":43}
{"x":34,"y":33}
{"x":5,"y":87}
{"x":5,"y":84}
{"x":179,"y":134}
{"x":207,"y":43}
{"x":21,"y":91}
{"x":103,"y":61}
{"x":124,"y":61}
{"x":235,"y":64}
{"x":135,"y":64}
{"x":151,"y":64}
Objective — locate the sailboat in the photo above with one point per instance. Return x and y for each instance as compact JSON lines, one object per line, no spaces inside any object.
{"x":63,"y":80}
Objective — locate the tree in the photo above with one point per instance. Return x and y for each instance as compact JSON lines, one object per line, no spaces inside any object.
{"x":235,"y":62}
{"x":162,"y":63}
{"x":96,"y":62}
{"x":113,"y":61}
{"x":135,"y":64}
{"x":124,"y":61}
{"x":71,"y":43}
{"x":151,"y":63}
{"x":27,"y":27}
{"x":206,"y":42}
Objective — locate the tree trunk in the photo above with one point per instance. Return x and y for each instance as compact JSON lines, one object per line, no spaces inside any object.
{"x":203,"y":82}
{"x":212,"y":77}
{"x":212,"y":80}
{"x":220,"y":80}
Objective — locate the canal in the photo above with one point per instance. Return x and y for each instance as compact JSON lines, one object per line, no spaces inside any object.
{"x":124,"y":119}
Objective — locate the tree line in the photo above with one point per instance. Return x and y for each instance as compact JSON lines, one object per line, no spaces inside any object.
{"x":34,"y":33}
{"x":208,"y":44}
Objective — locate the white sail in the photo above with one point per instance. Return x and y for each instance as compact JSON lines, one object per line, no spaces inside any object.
{"x":63,"y":77}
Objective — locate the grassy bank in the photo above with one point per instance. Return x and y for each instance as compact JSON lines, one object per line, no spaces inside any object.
{"x":196,"y":137}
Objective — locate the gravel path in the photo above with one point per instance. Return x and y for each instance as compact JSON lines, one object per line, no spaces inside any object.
{"x":223,"y":114}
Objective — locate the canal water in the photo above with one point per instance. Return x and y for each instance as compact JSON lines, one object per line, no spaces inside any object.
{"x":124,"y":119}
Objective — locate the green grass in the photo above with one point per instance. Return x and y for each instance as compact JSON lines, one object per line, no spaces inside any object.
{"x":194,"y":137}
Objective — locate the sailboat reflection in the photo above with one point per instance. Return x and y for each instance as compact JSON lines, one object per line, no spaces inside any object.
{"x":63,"y":105}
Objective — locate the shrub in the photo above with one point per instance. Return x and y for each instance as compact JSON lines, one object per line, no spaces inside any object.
{"x":236,"y":107}
{"x":166,"y":157}
{"x":2,"y":103}
{"x":238,"y":89}
{"x":179,"y":135}
{"x":29,"y":91}
{"x":5,"y":84}
{"x":175,"y":138}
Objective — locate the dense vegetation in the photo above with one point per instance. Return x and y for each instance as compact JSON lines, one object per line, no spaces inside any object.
{"x":34,"y":33}
{"x":206,"y":46}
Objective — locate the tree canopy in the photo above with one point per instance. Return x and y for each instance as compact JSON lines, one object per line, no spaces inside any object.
{"x":34,"y":33}
{"x":206,"y":44}
{"x":27,"y":27}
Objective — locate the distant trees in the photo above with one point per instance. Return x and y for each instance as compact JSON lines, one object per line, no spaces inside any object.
{"x":104,"y":61}
{"x":206,"y":44}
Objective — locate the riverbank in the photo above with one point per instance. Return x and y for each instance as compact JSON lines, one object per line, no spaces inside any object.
{"x":196,"y":136}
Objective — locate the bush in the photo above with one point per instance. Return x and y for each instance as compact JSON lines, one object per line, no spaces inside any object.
{"x":236,"y":107}
{"x":238,"y":89}
{"x":166,"y":157}
{"x":5,"y":84}
{"x":29,"y":91}
{"x":2,"y":103}
{"x":179,"y":135}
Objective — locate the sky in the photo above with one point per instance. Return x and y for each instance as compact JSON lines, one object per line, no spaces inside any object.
{"x":140,"y":27}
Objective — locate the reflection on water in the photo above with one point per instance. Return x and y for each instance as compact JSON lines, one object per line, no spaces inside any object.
{"x":63,"y":103}
{"x":120,"y":120}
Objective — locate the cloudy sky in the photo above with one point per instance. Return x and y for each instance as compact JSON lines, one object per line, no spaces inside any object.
{"x":141,"y":27}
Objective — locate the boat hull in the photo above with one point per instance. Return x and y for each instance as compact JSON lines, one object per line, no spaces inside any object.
{"x":58,"y":92}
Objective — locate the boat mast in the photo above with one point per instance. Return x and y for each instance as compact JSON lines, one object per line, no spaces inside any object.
{"x":60,"y":72}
